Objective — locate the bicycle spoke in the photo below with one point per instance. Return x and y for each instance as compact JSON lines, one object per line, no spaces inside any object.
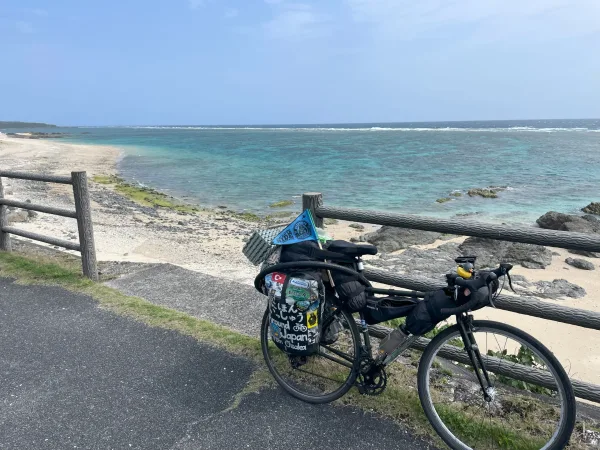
{"x":519,"y":413}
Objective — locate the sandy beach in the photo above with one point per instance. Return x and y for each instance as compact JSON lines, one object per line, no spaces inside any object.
{"x":211,"y":241}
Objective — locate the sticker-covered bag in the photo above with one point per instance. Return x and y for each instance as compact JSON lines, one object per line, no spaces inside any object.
{"x":295,"y":304}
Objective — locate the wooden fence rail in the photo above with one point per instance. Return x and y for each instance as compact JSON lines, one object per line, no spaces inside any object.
{"x":82,"y":213}
{"x":518,"y":304}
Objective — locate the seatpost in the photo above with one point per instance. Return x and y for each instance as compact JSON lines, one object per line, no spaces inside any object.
{"x":359,"y":264}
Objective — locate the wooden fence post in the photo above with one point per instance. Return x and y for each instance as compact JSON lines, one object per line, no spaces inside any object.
{"x":84,"y":224}
{"x":311,"y":201}
{"x":4,"y":237}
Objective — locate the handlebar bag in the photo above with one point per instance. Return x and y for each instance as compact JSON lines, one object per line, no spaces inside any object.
{"x":427,"y":313}
{"x":296,"y":302}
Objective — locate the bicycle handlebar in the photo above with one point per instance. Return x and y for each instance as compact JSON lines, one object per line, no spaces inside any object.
{"x":474,"y":285}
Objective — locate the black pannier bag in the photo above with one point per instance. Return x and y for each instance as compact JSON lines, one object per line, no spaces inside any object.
{"x":387,"y":308}
{"x":296,"y":302}
{"x":350,"y":291}
{"x":427,"y":313}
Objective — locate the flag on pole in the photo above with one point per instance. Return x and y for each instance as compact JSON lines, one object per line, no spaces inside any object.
{"x":300,"y":230}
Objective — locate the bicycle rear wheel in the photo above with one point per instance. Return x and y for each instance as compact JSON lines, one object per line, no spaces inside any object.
{"x":531,"y":404}
{"x":325,"y":376}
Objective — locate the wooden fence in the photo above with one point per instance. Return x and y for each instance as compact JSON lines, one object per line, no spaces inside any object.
{"x":78,"y":180}
{"x":529,"y":235}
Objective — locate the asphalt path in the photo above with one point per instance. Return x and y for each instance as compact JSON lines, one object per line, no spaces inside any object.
{"x":73,"y":375}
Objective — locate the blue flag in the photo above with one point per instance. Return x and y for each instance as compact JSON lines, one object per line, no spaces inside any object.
{"x":300,"y":230}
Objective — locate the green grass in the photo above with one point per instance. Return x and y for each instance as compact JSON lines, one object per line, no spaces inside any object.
{"x":281,"y":204}
{"x":143,"y":195}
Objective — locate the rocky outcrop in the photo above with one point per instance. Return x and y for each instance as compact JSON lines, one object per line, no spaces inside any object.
{"x":590,"y":224}
{"x":592,"y":208}
{"x":558,"y":288}
{"x":489,"y":192}
{"x":491,"y":252}
{"x":553,"y":220}
{"x":389,"y":239}
{"x":580,"y":263}
{"x":430,"y":262}
{"x":17,"y":216}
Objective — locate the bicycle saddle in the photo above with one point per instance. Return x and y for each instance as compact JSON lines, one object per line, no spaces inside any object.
{"x":351,"y":249}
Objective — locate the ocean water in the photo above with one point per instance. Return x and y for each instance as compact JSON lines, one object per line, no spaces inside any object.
{"x":546,"y":164}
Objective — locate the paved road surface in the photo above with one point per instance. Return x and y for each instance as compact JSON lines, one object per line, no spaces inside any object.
{"x":75,"y":376}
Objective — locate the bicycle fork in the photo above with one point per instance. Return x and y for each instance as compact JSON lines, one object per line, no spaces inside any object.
{"x":465,"y":326}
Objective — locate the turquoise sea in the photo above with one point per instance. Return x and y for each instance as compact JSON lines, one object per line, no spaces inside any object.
{"x":403,"y":167}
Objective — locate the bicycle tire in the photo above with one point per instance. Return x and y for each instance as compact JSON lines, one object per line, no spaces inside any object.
{"x":306,"y":397}
{"x":561,"y":436}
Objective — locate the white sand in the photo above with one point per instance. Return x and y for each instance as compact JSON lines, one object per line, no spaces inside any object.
{"x":213,"y":246}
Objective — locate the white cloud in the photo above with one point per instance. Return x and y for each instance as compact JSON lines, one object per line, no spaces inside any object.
{"x":24,"y":27}
{"x":406,"y":19}
{"x":230,"y":13}
{"x":296,"y":21}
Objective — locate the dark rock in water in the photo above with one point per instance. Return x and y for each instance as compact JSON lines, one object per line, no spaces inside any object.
{"x":585,"y":253}
{"x":580,"y":263}
{"x":553,"y":220}
{"x":389,"y":239}
{"x":592,"y":208}
{"x":485,"y":193}
{"x":558,"y":288}
{"x":491,"y":252}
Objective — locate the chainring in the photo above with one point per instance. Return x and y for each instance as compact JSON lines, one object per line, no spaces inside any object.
{"x":372,"y":379}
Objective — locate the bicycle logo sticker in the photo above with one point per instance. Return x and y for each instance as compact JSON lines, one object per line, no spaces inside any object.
{"x":300,"y":327}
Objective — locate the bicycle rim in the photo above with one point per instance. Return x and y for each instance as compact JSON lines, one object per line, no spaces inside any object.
{"x":319,"y":378}
{"x":532,"y":404}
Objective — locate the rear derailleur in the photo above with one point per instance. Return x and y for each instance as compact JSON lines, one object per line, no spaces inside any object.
{"x":372,"y":378}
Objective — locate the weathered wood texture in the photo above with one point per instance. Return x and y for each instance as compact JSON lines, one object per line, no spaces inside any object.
{"x":4,"y":237}
{"x":522,"y":305}
{"x":35,"y":177}
{"x":40,"y":237}
{"x":40,"y":208}
{"x":582,"y":389}
{"x":312,"y":201}
{"x":462,"y":227}
{"x":84,"y":224}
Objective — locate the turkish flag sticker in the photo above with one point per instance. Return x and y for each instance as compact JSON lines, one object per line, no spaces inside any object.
{"x":278,"y":277}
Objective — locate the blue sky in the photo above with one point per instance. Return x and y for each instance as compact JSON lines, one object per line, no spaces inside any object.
{"x":78,"y":62}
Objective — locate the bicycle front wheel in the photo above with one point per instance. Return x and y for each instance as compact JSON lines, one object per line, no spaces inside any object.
{"x":530,"y":405}
{"x":324,"y":376}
